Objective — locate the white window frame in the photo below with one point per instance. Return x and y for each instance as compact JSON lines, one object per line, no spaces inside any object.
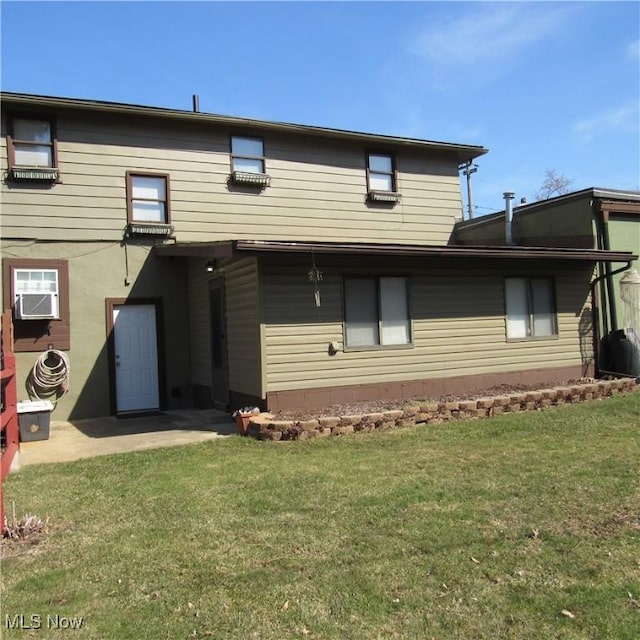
{"x":386,"y":335}
{"x":523,"y":316}
{"x":55,"y":295}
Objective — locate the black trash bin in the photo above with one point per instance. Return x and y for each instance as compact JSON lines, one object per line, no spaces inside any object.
{"x":620,"y":355}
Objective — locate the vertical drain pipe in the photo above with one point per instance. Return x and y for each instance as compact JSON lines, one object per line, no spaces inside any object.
{"x":508,"y":217}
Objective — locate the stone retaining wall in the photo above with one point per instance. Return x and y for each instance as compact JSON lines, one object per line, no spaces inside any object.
{"x":265,"y":427}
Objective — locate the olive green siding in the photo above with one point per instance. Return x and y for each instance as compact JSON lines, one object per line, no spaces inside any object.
{"x":565,"y":224}
{"x":317,"y":191}
{"x":243,"y":324}
{"x":97,"y":271}
{"x":624,"y":235}
{"x":458,"y":325}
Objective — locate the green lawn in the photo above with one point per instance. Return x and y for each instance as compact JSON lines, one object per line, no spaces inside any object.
{"x":479,"y":529}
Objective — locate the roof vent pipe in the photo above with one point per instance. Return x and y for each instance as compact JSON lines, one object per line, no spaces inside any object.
{"x":508,"y":216}
{"x":196,"y":103}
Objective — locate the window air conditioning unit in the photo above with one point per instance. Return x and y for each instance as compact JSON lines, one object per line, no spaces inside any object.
{"x":36,"y":306}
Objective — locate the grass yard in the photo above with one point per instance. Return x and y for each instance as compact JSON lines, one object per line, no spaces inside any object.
{"x":521,"y":526}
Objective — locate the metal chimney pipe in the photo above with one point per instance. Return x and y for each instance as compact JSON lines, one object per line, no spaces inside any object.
{"x":196,"y":103}
{"x":508,"y":216}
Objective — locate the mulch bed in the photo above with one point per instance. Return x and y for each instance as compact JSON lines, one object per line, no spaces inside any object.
{"x":375,"y":406}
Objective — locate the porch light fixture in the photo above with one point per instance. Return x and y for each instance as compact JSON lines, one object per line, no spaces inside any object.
{"x":211,"y":266}
{"x":253,"y":179}
{"x":384,"y":196}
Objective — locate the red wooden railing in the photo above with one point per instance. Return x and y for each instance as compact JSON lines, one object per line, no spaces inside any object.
{"x":8,"y":405}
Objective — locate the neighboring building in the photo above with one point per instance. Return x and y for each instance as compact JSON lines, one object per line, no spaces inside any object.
{"x":185,"y":259}
{"x":607,"y":219}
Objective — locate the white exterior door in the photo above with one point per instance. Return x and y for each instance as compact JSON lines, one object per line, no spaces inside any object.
{"x":136,"y":357}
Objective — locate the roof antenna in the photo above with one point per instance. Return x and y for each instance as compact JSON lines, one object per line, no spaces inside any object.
{"x":196,"y":103}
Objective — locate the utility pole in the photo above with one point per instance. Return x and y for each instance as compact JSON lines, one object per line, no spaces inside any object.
{"x":467,"y":169}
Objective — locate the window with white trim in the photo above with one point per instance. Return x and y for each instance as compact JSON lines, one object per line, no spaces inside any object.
{"x":36,"y":293}
{"x":376,"y":312}
{"x":530,"y":308}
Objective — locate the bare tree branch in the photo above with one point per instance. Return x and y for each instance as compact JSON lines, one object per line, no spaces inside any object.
{"x":554,"y":184}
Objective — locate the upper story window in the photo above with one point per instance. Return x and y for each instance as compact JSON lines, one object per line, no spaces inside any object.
{"x":531,"y":308}
{"x":148,"y":208}
{"x":381,"y":177}
{"x":376,"y":312}
{"x":247,"y":161}
{"x":32,"y":149}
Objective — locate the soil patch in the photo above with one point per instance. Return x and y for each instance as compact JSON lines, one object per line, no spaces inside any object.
{"x":375,"y":406}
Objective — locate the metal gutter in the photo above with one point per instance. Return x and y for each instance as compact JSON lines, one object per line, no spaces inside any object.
{"x":235,"y":247}
{"x":463,"y":151}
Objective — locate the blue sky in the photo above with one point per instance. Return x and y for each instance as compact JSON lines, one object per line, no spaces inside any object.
{"x":543,"y":85}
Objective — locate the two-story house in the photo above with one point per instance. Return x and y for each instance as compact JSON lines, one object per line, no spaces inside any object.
{"x":185,"y":259}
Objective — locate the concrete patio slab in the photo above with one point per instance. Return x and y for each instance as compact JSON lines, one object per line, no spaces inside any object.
{"x":102,"y":436}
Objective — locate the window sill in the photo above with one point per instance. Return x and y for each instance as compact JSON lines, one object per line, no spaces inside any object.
{"x":34,"y":174}
{"x":534,"y":338}
{"x":384,"y":196}
{"x":378,"y":347}
{"x":149,"y":229}
{"x":252,"y":179}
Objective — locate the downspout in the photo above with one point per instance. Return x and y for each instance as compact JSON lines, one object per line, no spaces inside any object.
{"x":606,"y":245}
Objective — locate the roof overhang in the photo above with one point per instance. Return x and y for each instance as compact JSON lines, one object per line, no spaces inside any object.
{"x":463,"y":152}
{"x":234,"y":248}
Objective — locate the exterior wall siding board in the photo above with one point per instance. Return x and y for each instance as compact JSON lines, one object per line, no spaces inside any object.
{"x":318,"y":190}
{"x":448,"y":339}
{"x":243,"y":326}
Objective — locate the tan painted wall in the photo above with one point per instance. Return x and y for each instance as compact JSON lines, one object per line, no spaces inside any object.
{"x":96,"y":272}
{"x":317,"y":188}
{"x":458,"y":326}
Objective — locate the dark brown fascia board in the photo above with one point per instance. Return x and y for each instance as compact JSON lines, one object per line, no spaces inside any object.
{"x":216,"y":249}
{"x":232,"y":248}
{"x":20,"y":100}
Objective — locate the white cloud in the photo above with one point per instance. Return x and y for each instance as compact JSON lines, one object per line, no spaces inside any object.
{"x":625,"y":118}
{"x":633,"y":50}
{"x":487,"y":33}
